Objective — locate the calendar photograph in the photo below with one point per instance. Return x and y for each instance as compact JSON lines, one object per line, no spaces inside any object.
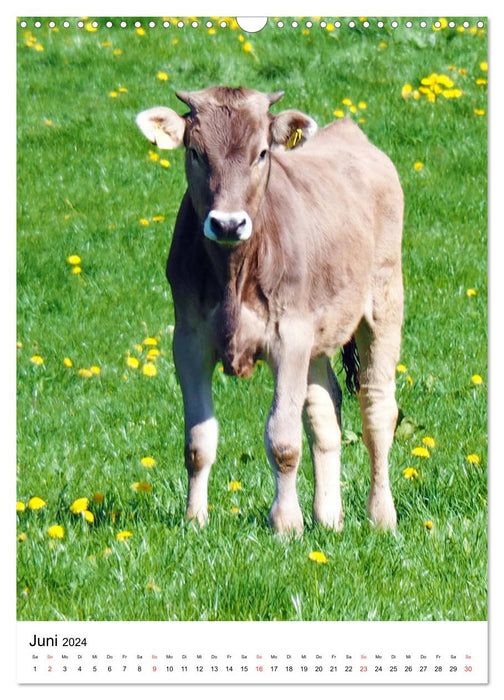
{"x":252,"y":362}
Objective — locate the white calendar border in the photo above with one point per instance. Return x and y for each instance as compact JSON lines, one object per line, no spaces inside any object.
{"x":204,"y":7}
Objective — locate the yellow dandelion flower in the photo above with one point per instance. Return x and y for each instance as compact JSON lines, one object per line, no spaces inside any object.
{"x":477,"y":379}
{"x":133,"y":363}
{"x":420,"y":452}
{"x":56,"y":532}
{"x":455,"y":92}
{"x":94,"y":369}
{"x":164,"y":163}
{"x":38,"y":47}
{"x":79,"y":505}
{"x":106,"y":552}
{"x":211,"y":31}
{"x":141,"y":487}
{"x":144,"y":222}
{"x":113,"y":93}
{"x":140,"y":31}
{"x":479,"y":112}
{"x":318,"y":557}
{"x":429,"y":441}
{"x":76,"y":270}
{"x":83,"y":372}
{"x":37,"y":360}
{"x":235,"y":485}
{"x":91,"y":27}
{"x":36,"y":503}
{"x":402,"y":369}
{"x":138,"y":347}
{"x":410,"y":380}
{"x":418,"y":165}
{"x":473,"y":459}
{"x":151,"y":586}
{"x":22,"y":537}
{"x":428,"y":524}
{"x":149,"y":369}
{"x":234,"y":510}
{"x":153,"y":354}
{"x":117,"y":52}
{"x":339,"y":113}
{"x":406,"y":90}
{"x":98,"y":497}
{"x":88,"y":516}
{"x":482,"y":81}
{"x":150,"y":341}
{"x":20,"y":507}
{"x":362,"y":105}
{"x":123,"y":535}
{"x":67,"y":362}
{"x":148,"y":462}
{"x":483,"y":65}
{"x":158,"y":218}
{"x":471,"y":292}
{"x":247,"y":47}
{"x":122,"y":89}
{"x":410,"y":473}
{"x":346,"y":101}
{"x":161,"y":75}
{"x":153,"y":156}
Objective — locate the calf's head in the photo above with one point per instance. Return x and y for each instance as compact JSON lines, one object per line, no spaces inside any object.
{"x":228,"y":135}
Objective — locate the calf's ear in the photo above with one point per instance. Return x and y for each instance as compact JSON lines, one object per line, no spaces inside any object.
{"x":162,"y":126}
{"x":291,"y":129}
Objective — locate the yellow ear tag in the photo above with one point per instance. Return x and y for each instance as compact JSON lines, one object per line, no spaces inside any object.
{"x":294,"y":139}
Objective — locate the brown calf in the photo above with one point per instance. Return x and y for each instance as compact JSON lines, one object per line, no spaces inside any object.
{"x":284,"y":254}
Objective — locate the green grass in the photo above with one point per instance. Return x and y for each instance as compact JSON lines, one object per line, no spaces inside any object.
{"x":84,"y":182}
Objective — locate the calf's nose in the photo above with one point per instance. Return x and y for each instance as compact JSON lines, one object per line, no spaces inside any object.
{"x":227,"y":227}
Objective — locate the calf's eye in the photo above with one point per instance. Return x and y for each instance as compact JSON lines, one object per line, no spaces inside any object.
{"x":194,"y":155}
{"x":262,"y":156}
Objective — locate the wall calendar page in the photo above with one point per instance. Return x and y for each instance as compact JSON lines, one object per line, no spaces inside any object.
{"x":252,"y":365}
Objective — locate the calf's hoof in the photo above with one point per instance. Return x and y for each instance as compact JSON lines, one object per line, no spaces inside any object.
{"x":332,"y":520}
{"x":381,"y":511}
{"x":199,"y":517}
{"x":286,"y":521}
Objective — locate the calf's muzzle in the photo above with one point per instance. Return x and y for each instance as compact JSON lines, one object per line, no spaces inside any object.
{"x":227,"y":228}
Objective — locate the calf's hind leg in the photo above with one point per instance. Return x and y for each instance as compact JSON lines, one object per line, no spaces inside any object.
{"x":378,"y":345}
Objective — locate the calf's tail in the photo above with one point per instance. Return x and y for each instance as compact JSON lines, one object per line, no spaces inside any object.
{"x":351,"y":364}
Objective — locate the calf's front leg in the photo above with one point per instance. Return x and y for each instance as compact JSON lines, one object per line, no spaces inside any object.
{"x":322,"y":417}
{"x":195,"y":361}
{"x":283,"y":433}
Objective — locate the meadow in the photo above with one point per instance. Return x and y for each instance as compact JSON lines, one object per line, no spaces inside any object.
{"x":101,"y":484}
